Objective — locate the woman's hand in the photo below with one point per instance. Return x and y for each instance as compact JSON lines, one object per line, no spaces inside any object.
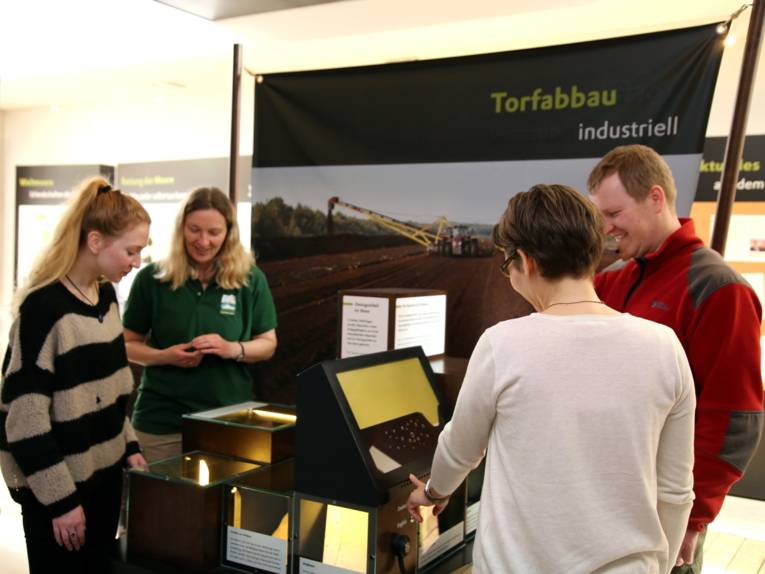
{"x":137,"y":461}
{"x":69,"y":529}
{"x":687,"y":548}
{"x":183,"y":355}
{"x":214,"y":344}
{"x":417,"y":498}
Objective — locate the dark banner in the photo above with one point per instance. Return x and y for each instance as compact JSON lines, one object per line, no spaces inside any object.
{"x":171,"y":181}
{"x":751,"y":176}
{"x":160,"y":186}
{"x":51,"y":184}
{"x":41,"y":191}
{"x":393,"y":176}
{"x":571,"y":101}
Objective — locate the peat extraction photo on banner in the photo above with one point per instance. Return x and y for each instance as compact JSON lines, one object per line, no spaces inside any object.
{"x":392,"y":176}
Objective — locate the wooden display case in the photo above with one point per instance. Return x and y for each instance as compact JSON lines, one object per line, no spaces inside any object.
{"x":253,"y":431}
{"x":174,"y":510}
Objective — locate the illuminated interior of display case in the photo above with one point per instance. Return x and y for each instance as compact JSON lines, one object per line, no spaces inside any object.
{"x":175,"y":509}
{"x":251,"y":414}
{"x":240,"y":499}
{"x":334,"y":535}
{"x":257,"y":530}
{"x":199,"y":468}
{"x":261,"y":501}
{"x":260,"y":432}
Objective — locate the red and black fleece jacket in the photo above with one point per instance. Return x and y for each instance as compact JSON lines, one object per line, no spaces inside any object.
{"x":717,"y":317}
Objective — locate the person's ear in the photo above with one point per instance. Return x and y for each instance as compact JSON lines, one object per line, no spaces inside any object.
{"x":657,"y":197}
{"x":528,"y":265}
{"x":95,"y":242}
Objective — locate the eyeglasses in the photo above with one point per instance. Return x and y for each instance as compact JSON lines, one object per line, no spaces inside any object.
{"x":505,"y":265}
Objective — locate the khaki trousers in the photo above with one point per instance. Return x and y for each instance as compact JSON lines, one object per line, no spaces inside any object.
{"x":159,"y":446}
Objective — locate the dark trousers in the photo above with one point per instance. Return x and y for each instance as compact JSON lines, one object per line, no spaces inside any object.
{"x":102,"y":509}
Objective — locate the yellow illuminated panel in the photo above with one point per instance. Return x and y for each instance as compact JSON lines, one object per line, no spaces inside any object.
{"x":204,"y":473}
{"x":428,"y":531}
{"x":282,"y":530}
{"x":385,"y":392}
{"x":271,"y":415}
{"x":237,"y":507}
{"x":345,"y":538}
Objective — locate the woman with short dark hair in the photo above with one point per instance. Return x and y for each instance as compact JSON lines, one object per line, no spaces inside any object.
{"x":585,"y":414}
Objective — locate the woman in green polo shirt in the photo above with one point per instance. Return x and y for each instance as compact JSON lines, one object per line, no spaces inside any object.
{"x":194,"y":320}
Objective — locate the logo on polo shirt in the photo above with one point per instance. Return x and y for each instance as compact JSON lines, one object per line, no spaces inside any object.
{"x":227,"y":304}
{"x":656,"y":304}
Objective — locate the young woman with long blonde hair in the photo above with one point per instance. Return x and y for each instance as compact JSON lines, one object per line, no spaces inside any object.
{"x":64,"y":435}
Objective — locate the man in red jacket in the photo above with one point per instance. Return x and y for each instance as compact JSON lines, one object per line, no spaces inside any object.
{"x":669,"y":276}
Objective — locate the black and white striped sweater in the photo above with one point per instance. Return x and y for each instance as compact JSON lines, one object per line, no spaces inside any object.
{"x":63,"y":398}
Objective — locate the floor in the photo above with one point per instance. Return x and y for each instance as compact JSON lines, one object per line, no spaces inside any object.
{"x":735,"y":543}
{"x":13,"y":555}
{"x":736,"y":540}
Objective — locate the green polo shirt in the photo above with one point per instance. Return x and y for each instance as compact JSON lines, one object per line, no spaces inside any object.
{"x":171,"y":317}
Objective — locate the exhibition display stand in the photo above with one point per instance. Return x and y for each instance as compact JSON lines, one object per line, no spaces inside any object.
{"x":238,"y":501}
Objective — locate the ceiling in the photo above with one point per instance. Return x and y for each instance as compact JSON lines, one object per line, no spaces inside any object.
{"x":221,"y":9}
{"x":62,"y":52}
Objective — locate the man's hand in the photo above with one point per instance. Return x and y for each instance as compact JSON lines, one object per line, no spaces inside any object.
{"x":69,"y":529}
{"x":687,"y":548}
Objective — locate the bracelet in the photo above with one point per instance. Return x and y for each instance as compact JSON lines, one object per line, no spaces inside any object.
{"x":240,"y":357}
{"x":434,"y":499}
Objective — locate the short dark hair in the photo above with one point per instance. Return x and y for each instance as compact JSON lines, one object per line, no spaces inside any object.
{"x":639,"y":168}
{"x":557,"y":227}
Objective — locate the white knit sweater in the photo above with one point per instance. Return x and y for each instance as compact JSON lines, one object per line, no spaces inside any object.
{"x":588,"y":422}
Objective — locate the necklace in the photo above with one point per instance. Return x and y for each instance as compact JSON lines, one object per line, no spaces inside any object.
{"x":73,"y":284}
{"x":597,"y":301}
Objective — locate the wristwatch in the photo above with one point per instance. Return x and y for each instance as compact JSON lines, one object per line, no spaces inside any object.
{"x":433,"y":499}
{"x":240,"y":357}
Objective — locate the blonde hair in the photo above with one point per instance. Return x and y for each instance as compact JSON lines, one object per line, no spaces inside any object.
{"x":232,"y":263}
{"x":94,"y":206}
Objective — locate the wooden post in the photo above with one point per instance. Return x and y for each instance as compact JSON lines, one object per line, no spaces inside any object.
{"x":735,"y":146}
{"x":233,"y":171}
